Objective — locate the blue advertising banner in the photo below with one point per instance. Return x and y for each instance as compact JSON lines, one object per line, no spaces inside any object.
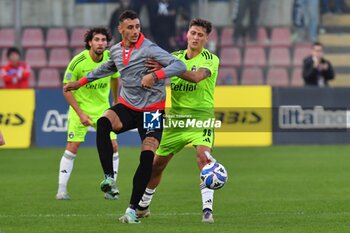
{"x":51,"y":122}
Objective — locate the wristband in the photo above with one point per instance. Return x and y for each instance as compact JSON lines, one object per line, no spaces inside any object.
{"x":160,"y":74}
{"x":83,"y":81}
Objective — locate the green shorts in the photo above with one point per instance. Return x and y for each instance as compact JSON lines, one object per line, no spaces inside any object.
{"x":174,"y":140}
{"x":76,"y":131}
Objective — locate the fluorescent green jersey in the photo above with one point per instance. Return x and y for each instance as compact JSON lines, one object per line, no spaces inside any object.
{"x":92,"y":98}
{"x":193,"y":98}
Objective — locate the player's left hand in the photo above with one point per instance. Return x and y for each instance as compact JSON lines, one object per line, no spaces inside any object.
{"x":71,"y":86}
{"x":148,"y":81}
{"x":153,"y":65}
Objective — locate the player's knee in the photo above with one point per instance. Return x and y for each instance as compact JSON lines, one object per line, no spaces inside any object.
{"x":114,"y":119}
{"x":103,"y":125}
{"x":73,"y":147}
{"x":150,"y":143}
{"x":202,"y":159}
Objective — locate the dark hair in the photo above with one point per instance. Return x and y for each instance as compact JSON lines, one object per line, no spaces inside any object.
{"x":12,"y":50}
{"x":317,"y":44}
{"x":93,"y":31}
{"x":128,"y":14}
{"x":202,"y":23}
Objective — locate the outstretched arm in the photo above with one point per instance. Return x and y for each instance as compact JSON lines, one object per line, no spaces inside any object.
{"x":106,"y":69}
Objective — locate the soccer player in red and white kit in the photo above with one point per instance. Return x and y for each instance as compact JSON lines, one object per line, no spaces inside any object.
{"x":142,"y":93}
{"x":15,"y":73}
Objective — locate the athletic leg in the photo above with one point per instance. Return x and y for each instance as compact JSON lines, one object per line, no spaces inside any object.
{"x":203,"y":152}
{"x":107,"y":123}
{"x":159,"y":164}
{"x":172,"y":142}
{"x":66,"y":168}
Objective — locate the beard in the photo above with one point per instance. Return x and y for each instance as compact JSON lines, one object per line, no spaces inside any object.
{"x":98,"y":51}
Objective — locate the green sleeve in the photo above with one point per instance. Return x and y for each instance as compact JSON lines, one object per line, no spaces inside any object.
{"x":72,"y":72}
{"x":115,"y":75}
{"x":212,"y":64}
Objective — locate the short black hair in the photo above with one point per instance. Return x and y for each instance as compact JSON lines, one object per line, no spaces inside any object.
{"x":128,"y":14}
{"x":12,"y":50}
{"x":317,"y":44}
{"x":93,"y":31}
{"x":202,"y":23}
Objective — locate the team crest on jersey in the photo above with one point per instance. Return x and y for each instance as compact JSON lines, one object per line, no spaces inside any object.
{"x":71,"y":135}
{"x":194,"y":68}
{"x":68,"y":76}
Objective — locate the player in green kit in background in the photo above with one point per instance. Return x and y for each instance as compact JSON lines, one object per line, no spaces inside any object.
{"x":193,"y":96}
{"x":87,"y":105}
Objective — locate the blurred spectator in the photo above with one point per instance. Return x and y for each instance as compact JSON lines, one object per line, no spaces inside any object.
{"x":163,"y":25}
{"x":184,"y":8}
{"x":243,"y":7}
{"x":113,"y":22}
{"x":15,"y":73}
{"x":2,"y":140}
{"x":337,"y":4}
{"x":306,"y":20}
{"x":181,"y":35}
{"x":138,"y":4}
{"x":317,"y":71}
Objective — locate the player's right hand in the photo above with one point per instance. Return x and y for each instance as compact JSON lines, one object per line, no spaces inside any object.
{"x":71,"y":86}
{"x":86,"y":120}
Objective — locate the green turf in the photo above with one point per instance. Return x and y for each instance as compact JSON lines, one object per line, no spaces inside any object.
{"x":276,"y":189}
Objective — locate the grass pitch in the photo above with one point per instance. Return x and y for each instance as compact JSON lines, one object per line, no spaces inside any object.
{"x":274,"y":189}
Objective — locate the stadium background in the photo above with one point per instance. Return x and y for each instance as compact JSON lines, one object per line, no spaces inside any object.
{"x":272,"y":187}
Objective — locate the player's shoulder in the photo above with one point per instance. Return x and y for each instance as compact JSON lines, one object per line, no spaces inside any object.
{"x":106,"y":54}
{"x":78,"y":59}
{"x":179,"y":53}
{"x":114,"y":47}
{"x":207,"y":55}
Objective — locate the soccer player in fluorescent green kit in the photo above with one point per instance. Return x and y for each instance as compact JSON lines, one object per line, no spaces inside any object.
{"x":192,"y":96}
{"x":87,"y":105}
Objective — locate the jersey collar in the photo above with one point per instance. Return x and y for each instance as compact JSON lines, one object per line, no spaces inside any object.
{"x":139,"y":41}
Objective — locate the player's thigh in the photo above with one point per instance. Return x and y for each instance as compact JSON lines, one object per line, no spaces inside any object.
{"x":150,"y":137}
{"x":202,"y":137}
{"x":203,"y":141}
{"x":113,"y":135}
{"x":122,"y":118}
{"x":76,"y":131}
{"x":172,"y":142}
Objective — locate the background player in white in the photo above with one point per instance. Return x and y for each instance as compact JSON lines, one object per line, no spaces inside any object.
{"x":87,"y":105}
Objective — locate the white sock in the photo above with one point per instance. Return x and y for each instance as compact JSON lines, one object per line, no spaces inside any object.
{"x":115,"y":165}
{"x":66,"y":167}
{"x":207,"y":197}
{"x":147,"y":197}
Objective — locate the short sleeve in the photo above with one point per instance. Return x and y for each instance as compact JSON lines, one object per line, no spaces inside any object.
{"x":210,"y":62}
{"x":115,"y":75}
{"x":72,"y":72}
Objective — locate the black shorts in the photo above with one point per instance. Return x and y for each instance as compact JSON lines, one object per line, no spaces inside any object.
{"x":132,"y":119}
